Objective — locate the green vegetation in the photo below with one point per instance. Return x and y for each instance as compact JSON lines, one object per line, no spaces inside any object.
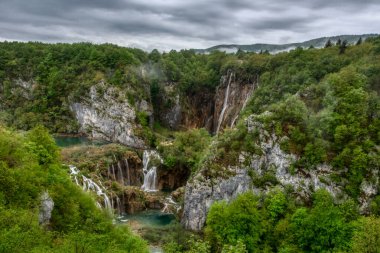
{"x":186,"y":150}
{"x":30,"y":165}
{"x":40,"y":80}
{"x":274,"y":223}
{"x":323,"y":103}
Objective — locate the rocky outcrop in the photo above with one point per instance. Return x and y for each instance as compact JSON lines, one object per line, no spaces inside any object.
{"x":106,"y":114}
{"x":231,"y":97}
{"x":213,"y":110}
{"x":46,"y":208}
{"x":127,"y":171}
{"x":201,"y":192}
{"x":369,"y":189}
{"x":198,"y":110}
{"x":172,"y":179}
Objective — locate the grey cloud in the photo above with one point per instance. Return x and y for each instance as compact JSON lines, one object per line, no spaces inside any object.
{"x":167,"y":24}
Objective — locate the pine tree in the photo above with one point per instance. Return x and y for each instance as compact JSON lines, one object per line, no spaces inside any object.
{"x":359,"y":41}
{"x":343,"y":46}
{"x":339,"y":42}
{"x":328,"y":44}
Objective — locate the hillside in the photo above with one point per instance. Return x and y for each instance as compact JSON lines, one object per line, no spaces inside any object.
{"x":251,"y":152}
{"x":276,"y":48}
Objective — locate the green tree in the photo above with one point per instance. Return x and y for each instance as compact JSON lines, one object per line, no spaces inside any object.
{"x":323,"y":228}
{"x":328,"y":44}
{"x":234,"y":222}
{"x":366,"y":238}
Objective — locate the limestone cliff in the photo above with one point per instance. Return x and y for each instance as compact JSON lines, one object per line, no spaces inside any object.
{"x":108,"y":115}
{"x":272,"y":167}
{"x":213,"y":110}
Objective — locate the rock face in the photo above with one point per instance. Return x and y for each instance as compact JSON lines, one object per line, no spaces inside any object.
{"x":201,"y":193}
{"x":231,"y":97}
{"x":369,"y":189}
{"x":127,"y":171}
{"x":108,"y":115}
{"x":213,"y":110}
{"x":198,"y":110}
{"x":46,"y":207}
{"x":172,"y":179}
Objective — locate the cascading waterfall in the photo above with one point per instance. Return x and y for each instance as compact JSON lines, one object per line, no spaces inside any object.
{"x":248,"y":96}
{"x":128,"y":173}
{"x":113,"y":172}
{"x":74,"y":173}
{"x":150,"y":180}
{"x":150,"y":173}
{"x":89,"y":185}
{"x":225,"y":104}
{"x":121,"y":176}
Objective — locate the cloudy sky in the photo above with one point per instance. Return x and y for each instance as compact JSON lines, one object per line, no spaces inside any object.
{"x":177,"y":24}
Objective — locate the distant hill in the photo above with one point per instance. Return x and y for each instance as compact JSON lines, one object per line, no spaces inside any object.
{"x":277,"y":48}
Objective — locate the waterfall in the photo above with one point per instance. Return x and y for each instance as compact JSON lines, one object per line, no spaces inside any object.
{"x":225,"y":104}
{"x":113,"y":172}
{"x":121,"y":176}
{"x":248,"y":96}
{"x":74,"y":172}
{"x":234,"y":120}
{"x":150,"y":180}
{"x":128,"y":173}
{"x":118,"y":205}
{"x":89,"y":185}
{"x":150,"y":173}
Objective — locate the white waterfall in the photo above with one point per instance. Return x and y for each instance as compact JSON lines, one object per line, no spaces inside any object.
{"x":225,"y":104}
{"x":247,"y":97}
{"x":113,"y":172}
{"x":128,"y":173}
{"x":234,"y":120}
{"x":121,"y":176}
{"x":89,"y":185}
{"x":150,"y":177}
{"x":150,"y":173}
{"x":74,"y":173}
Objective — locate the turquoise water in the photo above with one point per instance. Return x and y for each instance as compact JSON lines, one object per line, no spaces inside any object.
{"x":149,"y":218}
{"x":67,"y":141}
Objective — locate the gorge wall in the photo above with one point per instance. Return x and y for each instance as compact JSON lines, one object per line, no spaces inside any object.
{"x":250,"y":173}
{"x":210,"y":110}
{"x":108,"y":115}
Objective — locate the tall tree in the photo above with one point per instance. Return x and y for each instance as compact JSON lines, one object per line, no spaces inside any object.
{"x":359,"y":41}
{"x":328,"y":43}
{"x":343,"y":47}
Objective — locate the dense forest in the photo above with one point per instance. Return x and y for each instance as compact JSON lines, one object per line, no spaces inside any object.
{"x":30,"y":165}
{"x":322,"y":104}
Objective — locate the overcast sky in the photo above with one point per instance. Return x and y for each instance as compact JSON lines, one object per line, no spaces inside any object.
{"x":177,"y":24}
